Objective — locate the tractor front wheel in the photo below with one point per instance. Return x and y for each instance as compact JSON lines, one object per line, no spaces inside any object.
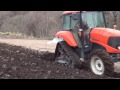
{"x":101,"y":63}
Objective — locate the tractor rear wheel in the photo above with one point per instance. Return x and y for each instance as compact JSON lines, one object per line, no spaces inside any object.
{"x":101,"y":63}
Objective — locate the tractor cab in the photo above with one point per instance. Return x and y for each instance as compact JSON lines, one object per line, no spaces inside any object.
{"x":92,"y":19}
{"x":80,"y":23}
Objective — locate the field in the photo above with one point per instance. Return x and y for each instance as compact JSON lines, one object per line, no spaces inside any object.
{"x":33,"y":59}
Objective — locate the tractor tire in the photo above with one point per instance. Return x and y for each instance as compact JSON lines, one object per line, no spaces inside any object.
{"x":69,"y":52}
{"x":101,"y":63}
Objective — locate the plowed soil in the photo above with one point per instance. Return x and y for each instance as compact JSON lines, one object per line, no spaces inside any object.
{"x":18,"y":62}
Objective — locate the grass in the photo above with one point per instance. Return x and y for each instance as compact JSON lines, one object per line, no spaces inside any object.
{"x":21,"y":36}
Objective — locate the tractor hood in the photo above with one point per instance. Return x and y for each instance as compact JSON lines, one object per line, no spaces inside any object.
{"x":103,"y":34}
{"x":106,"y":32}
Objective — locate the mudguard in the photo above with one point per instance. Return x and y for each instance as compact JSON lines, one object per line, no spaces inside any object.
{"x":68,"y":37}
{"x":64,"y":36}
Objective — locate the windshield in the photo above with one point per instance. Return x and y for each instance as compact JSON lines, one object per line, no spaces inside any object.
{"x":93,"y":19}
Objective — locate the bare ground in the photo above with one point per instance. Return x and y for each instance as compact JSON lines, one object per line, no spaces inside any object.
{"x":17,"y":62}
{"x":40,"y":45}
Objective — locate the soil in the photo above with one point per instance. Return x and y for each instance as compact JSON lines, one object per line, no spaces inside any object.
{"x":19,"y":62}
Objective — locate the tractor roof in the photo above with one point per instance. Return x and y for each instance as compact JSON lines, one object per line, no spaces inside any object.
{"x":70,"y":12}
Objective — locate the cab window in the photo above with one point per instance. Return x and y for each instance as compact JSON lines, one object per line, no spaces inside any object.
{"x":66,"y":22}
{"x":69,"y":23}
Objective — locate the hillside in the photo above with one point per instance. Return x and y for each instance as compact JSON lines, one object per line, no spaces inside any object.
{"x":41,"y":23}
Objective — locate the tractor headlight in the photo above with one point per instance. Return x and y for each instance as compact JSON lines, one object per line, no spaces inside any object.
{"x":119,"y":47}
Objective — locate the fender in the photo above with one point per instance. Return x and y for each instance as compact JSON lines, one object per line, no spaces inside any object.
{"x":68,"y":37}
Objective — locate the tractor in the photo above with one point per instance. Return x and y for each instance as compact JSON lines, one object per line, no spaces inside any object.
{"x":85,"y":38}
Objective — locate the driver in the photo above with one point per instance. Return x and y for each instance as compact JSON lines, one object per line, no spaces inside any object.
{"x":85,"y":28}
{"x":85,"y":25}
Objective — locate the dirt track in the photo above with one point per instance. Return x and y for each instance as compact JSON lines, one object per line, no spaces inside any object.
{"x":21,"y":63}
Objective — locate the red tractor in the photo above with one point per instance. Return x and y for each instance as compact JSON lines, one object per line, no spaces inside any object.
{"x":85,"y":38}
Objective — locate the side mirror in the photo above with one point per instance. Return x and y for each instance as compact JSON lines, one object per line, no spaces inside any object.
{"x":75,"y":16}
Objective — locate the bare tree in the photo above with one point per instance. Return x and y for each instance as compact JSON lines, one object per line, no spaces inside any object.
{"x":41,"y":23}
